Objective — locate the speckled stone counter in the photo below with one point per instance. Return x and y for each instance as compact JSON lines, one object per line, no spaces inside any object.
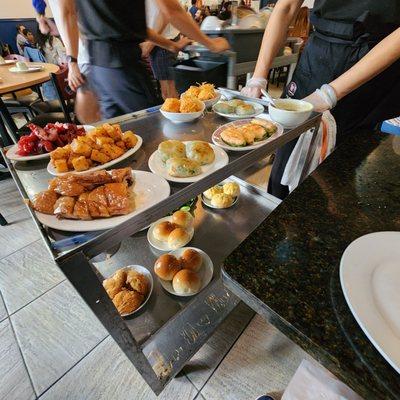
{"x":288,"y":268}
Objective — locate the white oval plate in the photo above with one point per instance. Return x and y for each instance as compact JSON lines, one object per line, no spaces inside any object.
{"x":157,"y":166}
{"x":13,"y":155}
{"x":216,"y":136}
{"x":51,"y":170}
{"x":183,"y":117}
{"x":37,"y":68}
{"x":206,"y":272}
{"x":158,"y":244}
{"x":149,"y":189}
{"x":259,"y":109}
{"x":144,"y":271}
{"x":370,"y":279}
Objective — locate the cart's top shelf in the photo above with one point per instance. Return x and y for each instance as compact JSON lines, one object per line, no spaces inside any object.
{"x":154,"y":128}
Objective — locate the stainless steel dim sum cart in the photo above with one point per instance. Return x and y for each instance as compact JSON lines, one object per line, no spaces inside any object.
{"x":169,"y":330}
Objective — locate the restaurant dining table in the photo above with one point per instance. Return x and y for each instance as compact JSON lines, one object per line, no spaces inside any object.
{"x":11,"y":82}
{"x":287,"y":270}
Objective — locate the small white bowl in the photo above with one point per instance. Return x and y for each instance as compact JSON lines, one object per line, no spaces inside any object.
{"x":183,"y":117}
{"x":211,"y":102}
{"x":290,"y":119}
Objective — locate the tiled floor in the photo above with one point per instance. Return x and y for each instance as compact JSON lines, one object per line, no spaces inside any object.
{"x":52,"y":346}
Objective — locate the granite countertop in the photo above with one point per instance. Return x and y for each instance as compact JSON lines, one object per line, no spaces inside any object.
{"x":288,"y":268}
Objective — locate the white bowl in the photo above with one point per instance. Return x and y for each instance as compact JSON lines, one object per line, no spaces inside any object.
{"x":211,"y":23}
{"x":211,"y":102}
{"x":290,"y":119}
{"x":183,"y":117}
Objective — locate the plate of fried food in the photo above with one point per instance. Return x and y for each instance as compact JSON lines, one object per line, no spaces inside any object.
{"x":205,"y":92}
{"x":100,"y":148}
{"x":186,"y":161}
{"x":238,"y":109}
{"x":224,"y":195}
{"x":98,"y":200}
{"x":184,"y":272}
{"x":129,"y":289}
{"x":246,"y":134}
{"x":172,"y":232}
{"x":185,"y":109}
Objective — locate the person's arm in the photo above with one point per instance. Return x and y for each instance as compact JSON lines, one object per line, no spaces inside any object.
{"x":274,"y":36}
{"x":384,"y":54}
{"x":177,"y":16}
{"x":70,"y":36}
{"x":165,"y":43}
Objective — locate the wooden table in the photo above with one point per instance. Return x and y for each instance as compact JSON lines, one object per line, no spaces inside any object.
{"x":11,"y":82}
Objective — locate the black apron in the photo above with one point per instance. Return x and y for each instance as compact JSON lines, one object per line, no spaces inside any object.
{"x":331,"y":50}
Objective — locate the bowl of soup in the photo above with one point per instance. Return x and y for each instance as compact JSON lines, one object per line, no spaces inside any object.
{"x":290,"y":112}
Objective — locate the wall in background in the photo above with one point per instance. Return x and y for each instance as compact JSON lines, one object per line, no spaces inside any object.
{"x":18,"y":9}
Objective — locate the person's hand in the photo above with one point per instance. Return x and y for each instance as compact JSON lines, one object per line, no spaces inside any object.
{"x":43,"y":25}
{"x":182,"y":43}
{"x":218,"y":45}
{"x":253,"y":87}
{"x":318,"y":101}
{"x":75,"y":78}
{"x":147,"y":47}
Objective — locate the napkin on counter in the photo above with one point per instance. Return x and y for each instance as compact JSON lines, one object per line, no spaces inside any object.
{"x":313,"y":382}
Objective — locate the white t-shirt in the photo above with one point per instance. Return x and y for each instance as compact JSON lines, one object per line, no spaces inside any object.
{"x":155,"y":20}
{"x":54,"y":54}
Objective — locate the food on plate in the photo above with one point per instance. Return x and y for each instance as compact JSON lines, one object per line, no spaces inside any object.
{"x":209,"y":193}
{"x":182,"y":167}
{"x":192,"y":91}
{"x":99,"y":194}
{"x":45,"y":140}
{"x":236,"y":103}
{"x":224,"y":107}
{"x":171,"y":148}
{"x":233,"y":137}
{"x":257,"y":131}
{"x":192,"y":260}
{"x":178,"y":238}
{"x":99,"y":146}
{"x":205,"y":91}
{"x":190,"y":104}
{"x":171,"y":105}
{"x":127,"y":289}
{"x":231,"y":189}
{"x":222,"y":200}
{"x":269,"y":126}
{"x":183,"y":219}
{"x":200,"y":152}
{"x":163,"y":229}
{"x":186,"y":282}
{"x":245,"y":109}
{"x":166,"y":266}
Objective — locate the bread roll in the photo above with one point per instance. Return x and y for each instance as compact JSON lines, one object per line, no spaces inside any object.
{"x":232,"y":189}
{"x":186,"y":282}
{"x":171,"y":148}
{"x":222,"y":200}
{"x":167,"y":266}
{"x":191,"y":259}
{"x":162,"y":230}
{"x":200,"y":151}
{"x":209,"y":193}
{"x":178,"y":238}
{"x":183,"y":219}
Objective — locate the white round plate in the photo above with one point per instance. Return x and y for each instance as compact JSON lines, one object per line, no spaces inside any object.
{"x":8,"y":62}
{"x":158,"y":244}
{"x":206,"y":272}
{"x":13,"y":155}
{"x":183,"y":117}
{"x":51,"y":170}
{"x":211,"y":102}
{"x":149,"y":189}
{"x":370,"y":279}
{"x":259,"y":109}
{"x":157,"y":166}
{"x":216,"y":136}
{"x":37,"y":68}
{"x":147,"y":274}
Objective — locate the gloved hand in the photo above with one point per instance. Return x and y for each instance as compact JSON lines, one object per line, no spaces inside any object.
{"x":253,"y":87}
{"x":322,"y":99}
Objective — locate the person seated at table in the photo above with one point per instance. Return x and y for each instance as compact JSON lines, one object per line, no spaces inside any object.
{"x":51,"y":47}
{"x":225,"y":11}
{"x":30,"y":40}
{"x":20,"y":39}
{"x":193,"y":9}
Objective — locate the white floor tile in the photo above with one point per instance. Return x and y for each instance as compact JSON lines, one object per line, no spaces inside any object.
{"x":3,"y":311}
{"x":10,"y":199}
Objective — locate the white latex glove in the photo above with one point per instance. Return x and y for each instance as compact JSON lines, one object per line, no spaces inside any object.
{"x":322,"y":99}
{"x":253,"y":87}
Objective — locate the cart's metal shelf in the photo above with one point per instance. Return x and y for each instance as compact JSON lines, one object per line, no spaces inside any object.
{"x":169,"y":330}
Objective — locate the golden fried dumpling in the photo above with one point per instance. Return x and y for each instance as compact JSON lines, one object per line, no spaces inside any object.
{"x":200,"y":151}
{"x":236,"y":102}
{"x":209,"y":193}
{"x":190,"y":104}
{"x":127,"y":301}
{"x":171,"y":148}
{"x":248,"y":135}
{"x":192,"y":91}
{"x":222,"y":200}
{"x":232,"y":189}
{"x":256,"y":130}
{"x":269,"y":126}
{"x":137,"y":282}
{"x":171,"y":105}
{"x":112,"y":286}
{"x":233,"y":137}
{"x":245,"y":109}
{"x":182,"y":167}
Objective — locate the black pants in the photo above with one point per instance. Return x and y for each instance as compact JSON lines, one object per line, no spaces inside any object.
{"x":321,"y":62}
{"x":123,"y":90}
